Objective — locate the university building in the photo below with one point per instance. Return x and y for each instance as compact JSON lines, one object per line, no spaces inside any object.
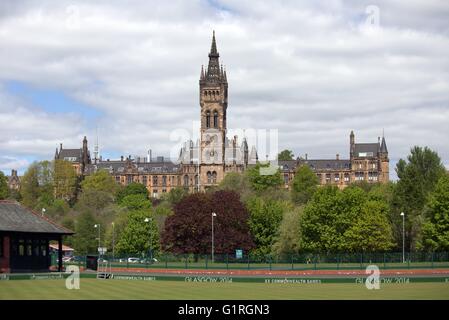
{"x":205,"y":163}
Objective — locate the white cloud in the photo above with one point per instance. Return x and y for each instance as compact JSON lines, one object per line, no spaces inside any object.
{"x":312,"y":69}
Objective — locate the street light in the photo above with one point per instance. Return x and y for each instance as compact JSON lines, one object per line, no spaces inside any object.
{"x":113,"y":241}
{"x":148,"y":220}
{"x":213,"y":215}
{"x":43,"y":211}
{"x":99,"y":235}
{"x":403,"y":237}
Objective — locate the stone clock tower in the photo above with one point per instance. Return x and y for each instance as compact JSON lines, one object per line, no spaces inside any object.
{"x":213,"y":102}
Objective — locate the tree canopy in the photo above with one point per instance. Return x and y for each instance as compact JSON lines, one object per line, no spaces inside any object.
{"x":304,"y":185}
{"x":285,"y":155}
{"x":4,"y":190}
{"x":189,"y":229}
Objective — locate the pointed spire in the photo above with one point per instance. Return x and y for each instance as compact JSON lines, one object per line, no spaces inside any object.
{"x":213,"y":69}
{"x":202,"y":73}
{"x":225,"y":78}
{"x":213,"y":47}
{"x":383,"y":146}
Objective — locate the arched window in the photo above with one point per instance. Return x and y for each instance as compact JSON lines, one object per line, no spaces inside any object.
{"x":215,"y":119}
{"x":208,"y":119}
{"x":209,"y":177}
{"x":214,"y":177}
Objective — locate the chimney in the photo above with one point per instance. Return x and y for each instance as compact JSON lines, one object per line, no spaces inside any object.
{"x":338,"y":156}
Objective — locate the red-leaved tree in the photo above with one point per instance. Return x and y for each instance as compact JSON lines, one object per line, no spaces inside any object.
{"x":189,"y":229}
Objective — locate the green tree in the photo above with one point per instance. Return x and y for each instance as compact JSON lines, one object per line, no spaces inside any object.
{"x":371,"y":231}
{"x":94,"y":200}
{"x":265,"y":219}
{"x":132,"y":188}
{"x":288,"y":240}
{"x":138,"y":236}
{"x":285,"y":155}
{"x":237,"y":182}
{"x":100,"y":181}
{"x":175,"y":195}
{"x":64,"y":180}
{"x":86,"y":235}
{"x":4,"y":190}
{"x":262,"y":177}
{"x":29,"y":186}
{"x":418,"y":177}
{"x":136,"y":202}
{"x":69,"y":223}
{"x":304,"y":185}
{"x":336,"y":221}
{"x":436,"y":227}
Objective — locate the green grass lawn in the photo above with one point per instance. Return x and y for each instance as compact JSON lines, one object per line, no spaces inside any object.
{"x":133,"y":289}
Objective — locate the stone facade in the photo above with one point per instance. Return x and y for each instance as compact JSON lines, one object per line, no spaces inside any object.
{"x":219,"y":155}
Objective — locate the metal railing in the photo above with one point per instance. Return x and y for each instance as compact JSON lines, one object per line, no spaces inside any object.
{"x":305,"y":261}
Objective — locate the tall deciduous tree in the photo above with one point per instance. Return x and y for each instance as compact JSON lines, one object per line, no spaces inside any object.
{"x":371,"y":231}
{"x":4,"y":191}
{"x":436,"y":228}
{"x":130,"y":189}
{"x":100,"y":181}
{"x":29,"y":186}
{"x":86,"y":235}
{"x":263,"y":177}
{"x":285,"y":155}
{"x":348,"y":220}
{"x":64,"y":180}
{"x":288,"y":240}
{"x":37,"y":185}
{"x":265,"y":219}
{"x":304,"y":185}
{"x":139,"y":236}
{"x":237,"y":182}
{"x":189,"y":229}
{"x":418,"y":177}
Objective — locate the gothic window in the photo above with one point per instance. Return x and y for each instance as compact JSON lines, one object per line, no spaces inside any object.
{"x":186,"y":181}
{"x":154,"y":180}
{"x":214,"y":177}
{"x":215,"y":119}
{"x":208,"y":119}
{"x":144,"y":180}
{"x":164,"y":181}
{"x":209,"y":177}
{"x":286,"y":178}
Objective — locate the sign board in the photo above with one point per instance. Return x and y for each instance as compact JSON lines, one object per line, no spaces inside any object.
{"x":102,"y":250}
{"x":238,"y":254}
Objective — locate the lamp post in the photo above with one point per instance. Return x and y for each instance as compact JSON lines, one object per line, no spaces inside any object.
{"x":148,"y":220}
{"x":403,"y":237}
{"x":213,"y":215}
{"x":98,"y":226}
{"x":113,"y":241}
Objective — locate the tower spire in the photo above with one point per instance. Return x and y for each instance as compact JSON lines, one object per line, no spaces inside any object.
{"x":213,"y":47}
{"x":213,"y":69}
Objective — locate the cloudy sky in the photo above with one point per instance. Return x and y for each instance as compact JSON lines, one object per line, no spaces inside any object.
{"x":312,"y":70}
